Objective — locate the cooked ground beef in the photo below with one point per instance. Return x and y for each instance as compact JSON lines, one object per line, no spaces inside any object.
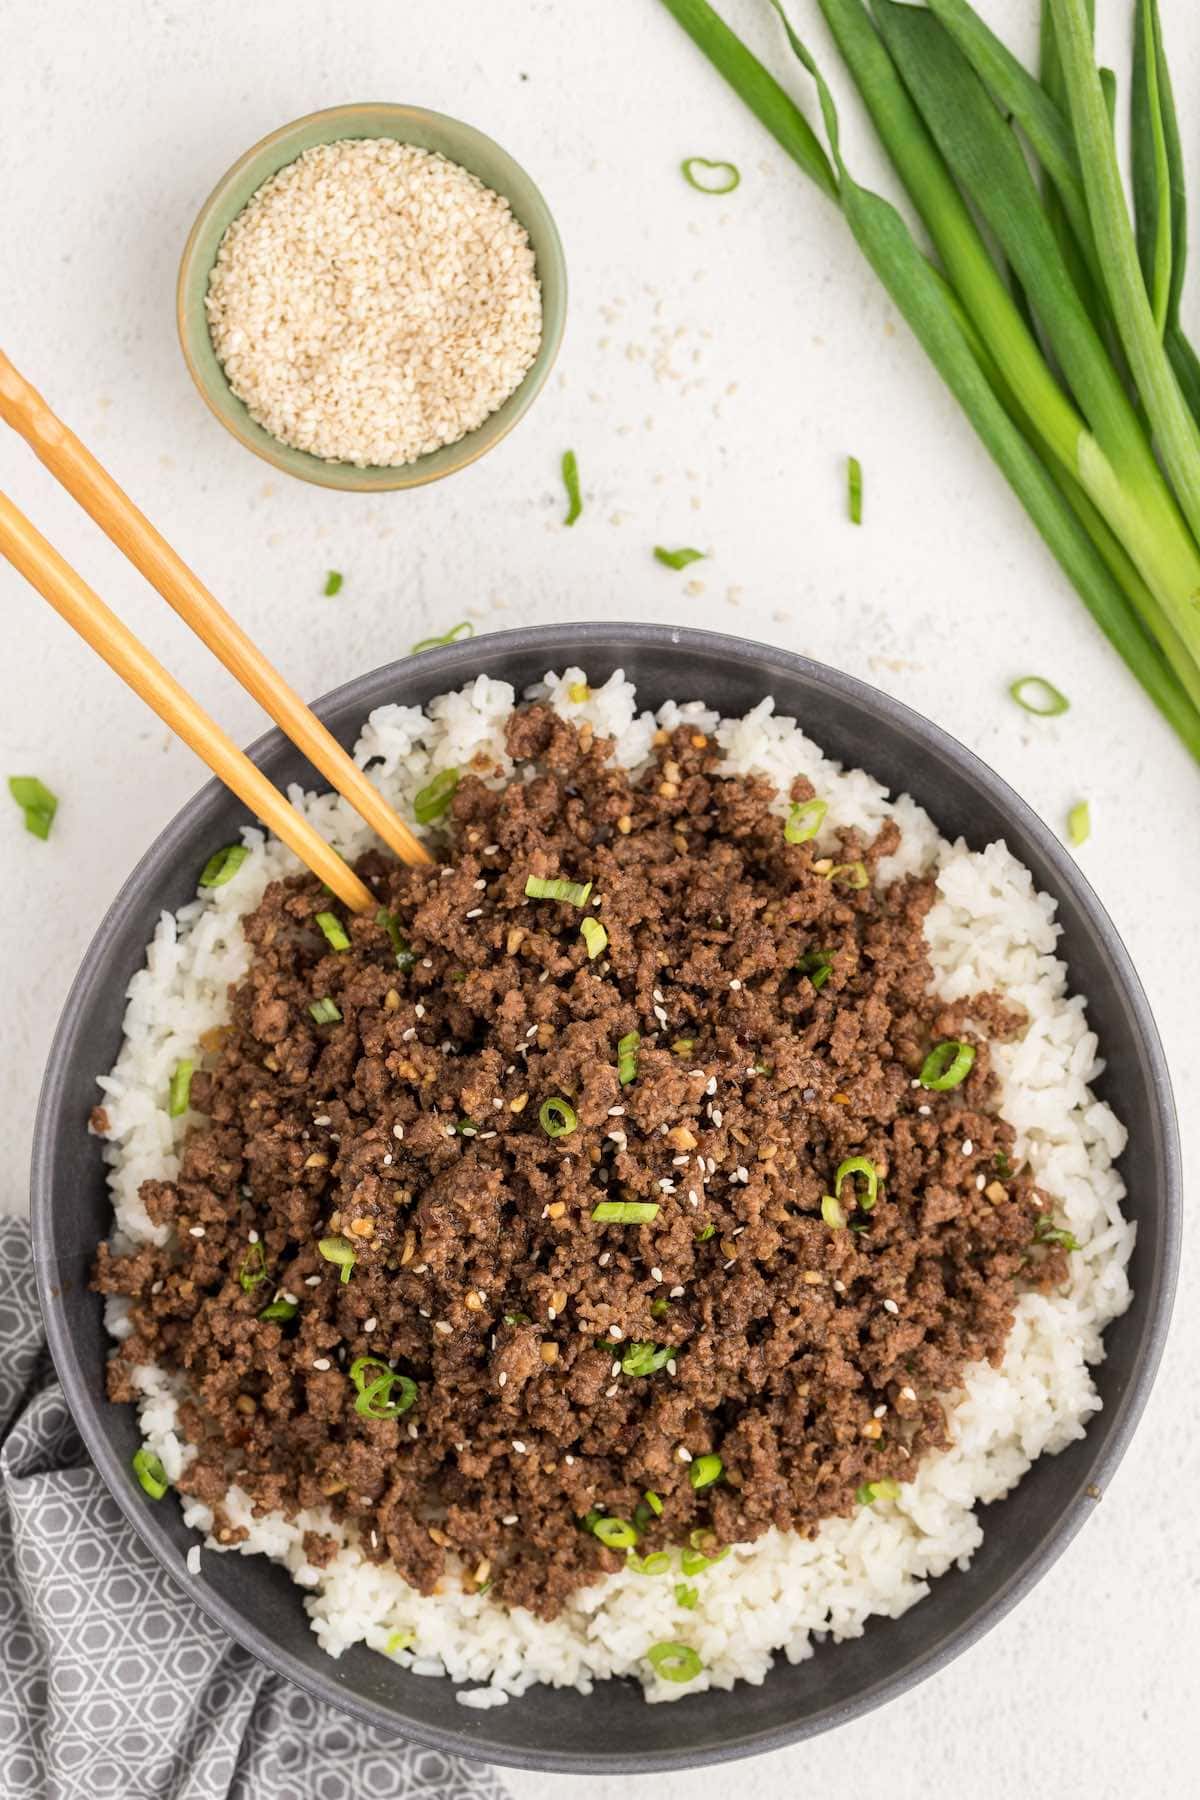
{"x":784,"y":1014}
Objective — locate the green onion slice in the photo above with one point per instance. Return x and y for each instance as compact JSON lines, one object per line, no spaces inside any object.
{"x":375,"y":1400}
{"x":686,"y":1595}
{"x":339,"y":1251}
{"x":618,"y":1534}
{"x":557,"y":1117}
{"x":804,"y":820}
{"x":150,"y":1472}
{"x":1079,"y":823}
{"x":657,"y":1563}
{"x":627,"y":1057}
{"x":574,"y":893}
{"x":579,"y":691}
{"x":570,"y":475}
{"x":727,"y":175}
{"x":254,"y":1268}
{"x":858,"y":1165}
{"x":1039,"y":696}
{"x":703,"y":1471}
{"x":694,"y":1561}
{"x":281,"y":1310}
{"x":871,"y":1491}
{"x":335,"y":932}
{"x":851,"y":874}
{"x":464,"y":629}
{"x":677,"y":559}
{"x":181,"y":1089}
{"x":37,"y":803}
{"x":405,"y":958}
{"x":399,"y":1640}
{"x":223,"y":865}
{"x":674,"y":1662}
{"x":646,"y":1359}
{"x":831,"y":1212}
{"x":333,"y":583}
{"x":594,"y":936}
{"x":817,"y":965}
{"x":325,"y":1011}
{"x":1047,"y":1232}
{"x":625,"y":1212}
{"x":947,"y":1065}
{"x":705,"y":1232}
{"x":431,"y":801}
{"x":660,"y":1309}
{"x":854,"y":489}
{"x":653,"y":1502}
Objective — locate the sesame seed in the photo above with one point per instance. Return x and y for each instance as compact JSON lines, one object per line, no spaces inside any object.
{"x":427,"y":962}
{"x":570,"y":1461}
{"x":253,"y":1236}
{"x":616,"y":1369}
{"x":476,"y":912}
{"x":443,"y":1326}
{"x":672,"y":1366}
{"x":312,"y":1281}
{"x":321,"y":1119}
{"x":518,"y":1446}
{"x":890,"y":1306}
{"x":322,"y":1363}
{"x":839,"y":1287}
{"x":679,"y":1162}
{"x":981,"y":1182}
{"x":532,"y":1032}
{"x":419,"y":1010}
{"x":196,"y":1231}
{"x":413,"y":1432}
{"x":693,"y":1197}
{"x":193,"y":1559}
{"x":407,"y":1036}
{"x":879,"y":1412}
{"x":736,"y":985}
{"x":907,"y":1393}
{"x":616,"y":1112}
{"x":481,"y":885}
{"x":370,"y":1324}
{"x":501,"y":1379}
{"x":656,"y":1274}
{"x":710,"y":1086}
{"x":397,"y":1131}
{"x":924,"y":1111}
{"x":677,"y":1293}
{"x":387,"y":1161}
{"x":614,"y":1331}
{"x":683,"y":1454}
{"x":509,"y":1519}
{"x":967,"y":1146}
{"x":718,"y":1118}
{"x":658,"y":995}
{"x":610,"y":1391}
{"x":605,"y":1259}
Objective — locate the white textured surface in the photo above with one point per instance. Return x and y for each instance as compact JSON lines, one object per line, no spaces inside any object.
{"x":941,"y":598}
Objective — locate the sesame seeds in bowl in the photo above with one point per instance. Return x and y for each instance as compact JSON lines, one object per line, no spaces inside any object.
{"x":372,"y":297}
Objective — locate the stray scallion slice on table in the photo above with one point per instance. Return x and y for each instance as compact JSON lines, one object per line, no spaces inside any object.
{"x":181,"y":1089}
{"x":570,"y":475}
{"x":854,"y":489}
{"x":325,"y":1011}
{"x":37,"y":803}
{"x":674,"y":1662}
{"x":431,"y":801}
{"x":1039,"y":696}
{"x":1079,"y":823}
{"x":464,"y":629}
{"x":572,"y":893}
{"x":710,"y":177}
{"x":804,"y":820}
{"x":677,"y":559}
{"x":150,"y":1472}
{"x":947,"y":1065}
{"x":594,"y":936}
{"x":333,"y":583}
{"x":625,"y":1212}
{"x":223,"y":865}
{"x":340,"y":1252}
{"x":334,"y":930}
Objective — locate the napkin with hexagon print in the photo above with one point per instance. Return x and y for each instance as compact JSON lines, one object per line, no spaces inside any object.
{"x":112,"y":1685}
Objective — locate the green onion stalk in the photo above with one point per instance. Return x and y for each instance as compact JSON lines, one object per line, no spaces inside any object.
{"x":1059,"y":333}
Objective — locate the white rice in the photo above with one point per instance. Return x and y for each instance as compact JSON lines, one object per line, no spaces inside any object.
{"x":990,"y":929}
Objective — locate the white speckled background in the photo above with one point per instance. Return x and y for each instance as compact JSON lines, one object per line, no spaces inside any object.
{"x":722,"y":357}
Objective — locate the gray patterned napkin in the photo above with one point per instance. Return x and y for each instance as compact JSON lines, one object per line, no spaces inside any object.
{"x":113,"y":1686}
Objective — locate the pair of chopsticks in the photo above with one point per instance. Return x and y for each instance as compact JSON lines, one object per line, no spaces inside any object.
{"x":29,"y":552}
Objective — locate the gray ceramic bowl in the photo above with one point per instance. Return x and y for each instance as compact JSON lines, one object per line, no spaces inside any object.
{"x":613,"y":1729}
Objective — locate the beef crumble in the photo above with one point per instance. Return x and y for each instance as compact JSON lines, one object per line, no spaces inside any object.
{"x":564,"y":1367}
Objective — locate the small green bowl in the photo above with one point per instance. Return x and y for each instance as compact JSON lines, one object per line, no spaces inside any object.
{"x":408,"y":125}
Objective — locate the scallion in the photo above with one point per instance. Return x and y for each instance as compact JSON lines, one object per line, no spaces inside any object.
{"x":677,"y":559}
{"x":570,"y":475}
{"x":181,"y":1089}
{"x":870,"y":1491}
{"x":1039,"y":696}
{"x":645,"y":1359}
{"x":725,"y":177}
{"x":674,"y":1662}
{"x":1079,"y":823}
{"x":280,"y":1310}
{"x":431,"y":801}
{"x":223,"y":865}
{"x":333,"y":583}
{"x":334,"y":930}
{"x":804,"y":820}
{"x":572,"y":893}
{"x":325,"y":1011}
{"x":594,"y":936}
{"x":618,"y":1534}
{"x":850,"y":874}
{"x":405,"y":958}
{"x":1047,"y":1232}
{"x":854,"y":487}
{"x":625,"y":1212}
{"x":578,"y":692}
{"x":703,"y":1471}
{"x":858,"y":1165}
{"x":464,"y":629}
{"x":375,"y":1390}
{"x":254,"y":1267}
{"x":657,"y":1563}
{"x":398,"y":1641}
{"x":817,"y":965}
{"x":37,"y":803}
{"x":705,"y":1232}
{"x":694,"y":1561}
{"x":686,"y":1595}
{"x":659,"y":1309}
{"x":831,"y":1212}
{"x":339,"y":1251}
{"x":627,"y":1057}
{"x":947,"y":1065}
{"x":653,"y":1502}
{"x":557,"y":1117}
{"x":150,"y":1472}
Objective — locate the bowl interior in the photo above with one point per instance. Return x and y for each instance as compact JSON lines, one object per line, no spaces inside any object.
{"x":408,"y":125}
{"x":614,"y":1729}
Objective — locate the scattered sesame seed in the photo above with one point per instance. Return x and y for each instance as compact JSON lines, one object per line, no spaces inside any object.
{"x":672,"y":1366}
{"x":710,"y":1086}
{"x":736,"y":985}
{"x":839,"y":1287}
{"x":605,"y":1259}
{"x":321,"y":1119}
{"x":616,"y":1369}
{"x":196,"y":1231}
{"x":610,"y":1391}
{"x":443,"y":1326}
{"x":253,"y":1236}
{"x":879,"y":1412}
{"x":156,"y":1287}
{"x":481,"y":884}
{"x":413,"y":1432}
{"x":693,"y":1197}
{"x":501,"y":1379}
{"x":312,"y":1281}
{"x":532,"y":1032}
{"x":322,"y":1363}
{"x":677,"y":1293}
{"x":967,"y":1146}
{"x":476,"y":912}
{"x":193,"y":1560}
{"x":656,"y":1274}
{"x":387,"y":1161}
{"x":890,"y":1306}
{"x":718,"y":1117}
{"x":419,"y":1010}
{"x":679,"y":1162}
{"x":660,"y":1015}
{"x":570,"y":1461}
{"x":491,"y":849}
{"x":397,"y":1131}
{"x":981,"y":1182}
{"x":907,"y":1393}
{"x":406,"y":1037}
{"x":924,"y":1111}
{"x":683,"y":1454}
{"x":518,"y":1446}
{"x":427,"y":962}
{"x":614,"y":1331}
{"x":658,"y":995}
{"x":370,"y":1324}
{"x":509,"y":1519}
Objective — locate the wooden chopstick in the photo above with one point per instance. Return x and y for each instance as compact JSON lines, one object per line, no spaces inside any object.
{"x":71,"y":597}
{"x":71,"y":463}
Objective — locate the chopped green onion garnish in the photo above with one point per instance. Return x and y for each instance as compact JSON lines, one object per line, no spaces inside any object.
{"x":557,"y":1117}
{"x":375,"y":1402}
{"x":877,"y":1490}
{"x":1039,"y":696}
{"x":817,"y":965}
{"x":677,"y":559}
{"x":333,"y":583}
{"x":574,"y":893}
{"x":618,"y":1534}
{"x":325,"y":1011}
{"x":594,"y":936}
{"x":727,"y":177}
{"x":517,"y":1318}
{"x":570,"y":475}
{"x":625,"y":1212}
{"x":657,"y":1563}
{"x":254,"y":1268}
{"x":223,"y":865}
{"x":338,"y":1250}
{"x":431,"y":801}
{"x":660,"y":1309}
{"x":627,"y":1057}
{"x":686,"y":1595}
{"x":399,"y":1640}
{"x":947,"y":1065}
{"x":683,"y":1046}
{"x":467,"y":1128}
{"x":675,"y":1662}
{"x":37,"y":803}
{"x":579,"y":691}
{"x":1001,"y":1163}
{"x":334,"y":930}
{"x":854,"y":487}
{"x":804,"y":820}
{"x":1047,"y":1232}
{"x":694,"y":1561}
{"x":1079,"y":823}
{"x":150,"y":1472}
{"x":646,"y":1359}
{"x":361,"y":1371}
{"x":464,"y":629}
{"x":704,"y":1470}
{"x":405,"y":958}
{"x":851,"y":874}
{"x":705,"y":1232}
{"x":858,"y":1165}
{"x":653,"y":1502}
{"x":831,"y":1212}
{"x":281,"y":1310}
{"x":181,"y":1089}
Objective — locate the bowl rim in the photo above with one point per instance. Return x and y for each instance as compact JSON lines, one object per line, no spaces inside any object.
{"x":452,"y":664}
{"x":344,"y":477}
